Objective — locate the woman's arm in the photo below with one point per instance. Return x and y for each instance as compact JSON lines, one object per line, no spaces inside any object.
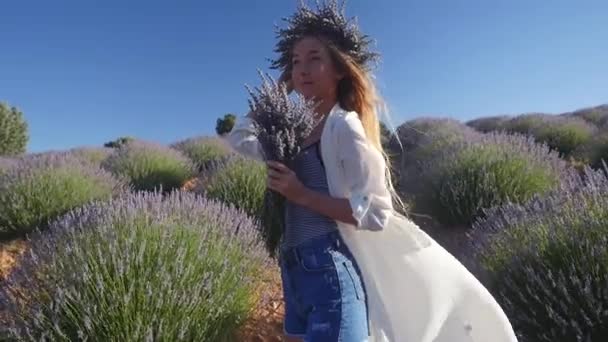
{"x":285,"y":181}
{"x":335,"y":208}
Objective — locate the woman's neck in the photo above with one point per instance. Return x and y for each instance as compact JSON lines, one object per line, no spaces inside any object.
{"x":324,"y":107}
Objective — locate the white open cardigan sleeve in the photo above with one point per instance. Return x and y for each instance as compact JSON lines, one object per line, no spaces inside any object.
{"x":364,"y":175}
{"x":242,"y":138}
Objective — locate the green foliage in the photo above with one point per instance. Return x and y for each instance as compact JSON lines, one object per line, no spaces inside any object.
{"x":94,"y":155}
{"x":224,"y":125}
{"x":546,"y":261}
{"x":38,"y":188}
{"x":238,"y":181}
{"x":203,"y":150}
{"x":472,"y":176}
{"x":145,"y":266}
{"x":564,"y":134}
{"x":150,"y":166}
{"x":489,"y":124}
{"x":119,"y":142}
{"x":14,"y":134}
{"x":595,"y":151}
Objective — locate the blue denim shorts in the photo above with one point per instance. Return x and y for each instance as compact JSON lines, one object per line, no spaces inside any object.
{"x":323,"y":292}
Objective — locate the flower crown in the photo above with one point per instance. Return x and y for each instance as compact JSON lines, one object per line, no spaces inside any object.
{"x":328,"y":21}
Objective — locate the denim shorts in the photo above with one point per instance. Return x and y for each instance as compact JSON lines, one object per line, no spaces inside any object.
{"x":323,"y":292}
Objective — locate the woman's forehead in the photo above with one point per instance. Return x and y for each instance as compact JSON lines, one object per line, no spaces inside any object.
{"x":308,"y":45}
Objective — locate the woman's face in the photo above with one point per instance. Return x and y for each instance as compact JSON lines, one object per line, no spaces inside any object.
{"x":313,"y":72}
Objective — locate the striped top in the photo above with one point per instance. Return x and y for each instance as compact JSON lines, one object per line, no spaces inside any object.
{"x":301,"y":223}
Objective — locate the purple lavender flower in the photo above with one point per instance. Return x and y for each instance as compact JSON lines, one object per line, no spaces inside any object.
{"x":545,"y":260}
{"x":142,"y":266}
{"x":150,"y":166}
{"x":39,"y":187}
{"x":281,"y":125}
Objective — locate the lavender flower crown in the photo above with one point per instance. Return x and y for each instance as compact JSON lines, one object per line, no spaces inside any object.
{"x":328,"y":21}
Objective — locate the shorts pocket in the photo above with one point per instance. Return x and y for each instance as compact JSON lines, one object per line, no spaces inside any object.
{"x":315,"y":260}
{"x":354,"y":278}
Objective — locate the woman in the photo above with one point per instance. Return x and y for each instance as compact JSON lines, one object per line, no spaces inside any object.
{"x":353,"y":269}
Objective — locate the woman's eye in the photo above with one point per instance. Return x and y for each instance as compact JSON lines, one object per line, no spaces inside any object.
{"x":295,"y":62}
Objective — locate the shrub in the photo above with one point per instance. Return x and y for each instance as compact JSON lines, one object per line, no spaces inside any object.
{"x":95,"y":155}
{"x":118,"y":142}
{"x":14,"y":134}
{"x":563,"y":134}
{"x":140,"y":267}
{"x":421,"y":139}
{"x":202,"y":150}
{"x":476,"y":174}
{"x":595,"y":115}
{"x":5,"y":163}
{"x":595,"y":151}
{"x":546,"y":261}
{"x":238,"y":181}
{"x":150,"y":166}
{"x":224,"y":125}
{"x":39,"y":187}
{"x":489,"y":124}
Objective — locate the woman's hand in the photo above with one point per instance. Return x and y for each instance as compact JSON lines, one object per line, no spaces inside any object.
{"x":285,"y":181}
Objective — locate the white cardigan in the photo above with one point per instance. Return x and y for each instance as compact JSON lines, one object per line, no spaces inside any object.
{"x":417,"y":291}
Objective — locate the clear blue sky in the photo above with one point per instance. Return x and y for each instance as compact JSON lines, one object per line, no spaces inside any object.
{"x":85,"y":72}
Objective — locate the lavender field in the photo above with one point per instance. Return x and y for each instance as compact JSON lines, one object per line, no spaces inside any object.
{"x":144,"y":241}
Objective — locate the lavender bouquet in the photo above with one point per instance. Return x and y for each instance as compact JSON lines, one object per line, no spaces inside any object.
{"x":281,"y":125}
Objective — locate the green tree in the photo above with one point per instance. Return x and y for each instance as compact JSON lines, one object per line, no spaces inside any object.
{"x":224,"y":125}
{"x":14,"y":134}
{"x":118,"y":142}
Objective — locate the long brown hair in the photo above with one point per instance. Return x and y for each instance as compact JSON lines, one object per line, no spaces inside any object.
{"x":357,"y":92}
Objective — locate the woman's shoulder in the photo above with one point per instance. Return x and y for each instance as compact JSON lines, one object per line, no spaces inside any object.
{"x":347,"y":122}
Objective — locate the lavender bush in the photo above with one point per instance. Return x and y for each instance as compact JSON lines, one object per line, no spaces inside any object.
{"x":594,"y":152}
{"x":236,"y":180}
{"x":150,"y":166}
{"x":95,"y":155}
{"x":39,"y":187}
{"x":419,"y":141}
{"x":202,"y":150}
{"x":475,"y":174}
{"x":596,"y":115}
{"x":546,"y":261}
{"x":489,"y":124}
{"x":281,"y":125}
{"x":563,"y":134}
{"x":142,"y":267}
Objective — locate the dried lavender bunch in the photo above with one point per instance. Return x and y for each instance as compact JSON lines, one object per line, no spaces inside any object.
{"x":330,"y":22}
{"x":141,"y":267}
{"x":546,"y":260}
{"x":281,"y":126}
